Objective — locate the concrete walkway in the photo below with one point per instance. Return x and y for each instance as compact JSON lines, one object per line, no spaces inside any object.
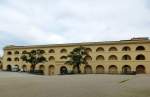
{"x":94,"y":85}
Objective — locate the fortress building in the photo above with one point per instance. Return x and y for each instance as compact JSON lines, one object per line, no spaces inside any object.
{"x":105,"y":57}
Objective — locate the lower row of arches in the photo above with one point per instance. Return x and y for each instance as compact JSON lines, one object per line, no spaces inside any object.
{"x":112,"y":69}
{"x":140,"y":69}
{"x":125,"y":69}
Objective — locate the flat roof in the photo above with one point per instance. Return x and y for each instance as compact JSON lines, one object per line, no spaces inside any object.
{"x":132,"y":41}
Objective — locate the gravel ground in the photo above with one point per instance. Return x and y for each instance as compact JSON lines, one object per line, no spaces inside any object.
{"x":93,"y":85}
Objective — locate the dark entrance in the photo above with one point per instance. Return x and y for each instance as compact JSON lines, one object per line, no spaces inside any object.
{"x":9,"y":68}
{"x":63,"y":70}
{"x":140,"y":69}
{"x":126,"y":69}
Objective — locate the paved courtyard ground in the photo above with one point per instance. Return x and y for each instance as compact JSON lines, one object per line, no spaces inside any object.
{"x":93,"y":85}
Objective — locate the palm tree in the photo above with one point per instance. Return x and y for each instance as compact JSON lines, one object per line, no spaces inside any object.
{"x":77,"y":57}
{"x":34,"y":57}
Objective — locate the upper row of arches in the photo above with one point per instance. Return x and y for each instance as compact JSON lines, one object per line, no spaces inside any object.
{"x":99,"y":49}
{"x":126,"y":48}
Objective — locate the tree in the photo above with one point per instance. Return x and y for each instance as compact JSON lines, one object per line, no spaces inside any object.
{"x":34,"y":57}
{"x":77,"y":57}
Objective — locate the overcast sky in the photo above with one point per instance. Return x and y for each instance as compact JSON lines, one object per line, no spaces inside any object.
{"x":26,"y":22}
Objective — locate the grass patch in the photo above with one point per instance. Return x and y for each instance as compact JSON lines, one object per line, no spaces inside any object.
{"x":124,"y":81}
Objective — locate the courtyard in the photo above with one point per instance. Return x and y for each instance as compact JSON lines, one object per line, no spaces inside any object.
{"x":13,"y":84}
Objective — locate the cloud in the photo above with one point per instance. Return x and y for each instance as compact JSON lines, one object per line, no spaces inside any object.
{"x":62,"y":21}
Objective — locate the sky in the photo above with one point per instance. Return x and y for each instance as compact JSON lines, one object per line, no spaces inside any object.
{"x":33,"y":22}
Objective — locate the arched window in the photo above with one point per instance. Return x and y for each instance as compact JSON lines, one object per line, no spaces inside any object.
{"x":63,"y":57}
{"x":88,"y":58}
{"x":41,"y":67}
{"x":16,"y":59}
{"x":100,"y":69}
{"x":113,"y":69}
{"x":88,"y":50}
{"x":9,"y":53}
{"x":99,"y":49}
{"x":24,"y":52}
{"x":100,"y":57}
{"x":63,"y":70}
{"x":8,"y":59}
{"x":112,"y":57}
{"x":51,"y":70}
{"x":41,"y":51}
{"x":140,"y":48}
{"x":126,"y":48}
{"x":51,"y":58}
{"x":9,"y":67}
{"x":140,"y":69}
{"x":140,"y":57}
{"x":87,"y":69}
{"x":126,"y":69}
{"x":126,"y":57}
{"x":51,"y":51}
{"x":112,"y":49}
{"x":1,"y":66}
{"x":63,"y":51}
{"x":16,"y":52}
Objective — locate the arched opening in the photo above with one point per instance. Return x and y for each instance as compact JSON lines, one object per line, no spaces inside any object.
{"x":88,"y":69}
{"x":8,"y":59}
{"x":40,"y":51}
{"x":99,"y":49}
{"x":113,"y":69}
{"x":140,"y":57}
{"x":51,"y":58}
{"x":42,"y":68}
{"x":140,"y":48}
{"x":126,"y":69}
{"x":24,"y":68}
{"x":88,"y":58}
{"x":126,"y":57}
{"x":100,"y":69}
{"x":16,"y":52}
{"x":51,"y":51}
{"x":75,"y":69}
{"x":24,"y":52}
{"x":31,"y":68}
{"x":88,"y":50}
{"x":112,"y":49}
{"x":9,"y":53}
{"x":63,"y":51}
{"x":1,"y":66}
{"x":63,"y":57}
{"x":9,"y":68}
{"x":100,"y":57}
{"x":112,"y":57}
{"x":126,"y":48}
{"x":140,"y":69}
{"x":63,"y":70}
{"x":51,"y":70}
{"x":16,"y":59}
